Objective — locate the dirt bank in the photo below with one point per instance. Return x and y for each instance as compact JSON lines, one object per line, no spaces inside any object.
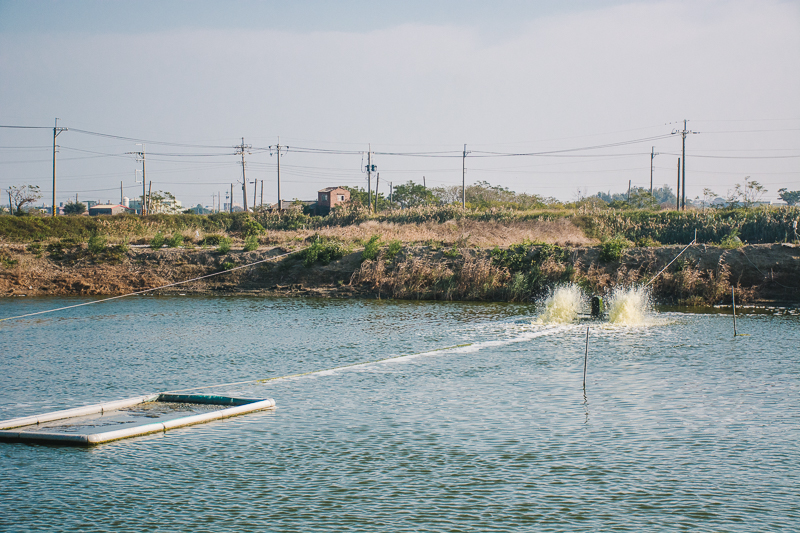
{"x":703,"y":274}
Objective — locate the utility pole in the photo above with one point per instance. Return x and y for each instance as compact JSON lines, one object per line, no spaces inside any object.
{"x":370,"y":168}
{"x":230,"y":202}
{"x":684,"y":133}
{"x":277,"y":149}
{"x":140,"y":157}
{"x":262,"y":194}
{"x":121,"y":194}
{"x":463,"y":178}
{"x":255,"y":190}
{"x":56,"y":131}
{"x":149,"y":191}
{"x":629,"y":192}
{"x":424,"y":185}
{"x":678,"y":191}
{"x":241,"y":150}
{"x":377,"y":182}
{"x":391,"y":190}
{"x":652,"y":155}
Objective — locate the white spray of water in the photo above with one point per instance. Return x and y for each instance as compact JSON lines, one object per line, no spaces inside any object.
{"x":629,"y":306}
{"x":563,"y":305}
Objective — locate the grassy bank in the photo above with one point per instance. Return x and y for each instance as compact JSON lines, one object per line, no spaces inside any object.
{"x":446,"y":224}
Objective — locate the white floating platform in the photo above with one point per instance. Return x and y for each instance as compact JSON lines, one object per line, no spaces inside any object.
{"x":69,"y":427}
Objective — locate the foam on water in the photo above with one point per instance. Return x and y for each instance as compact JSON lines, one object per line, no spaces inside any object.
{"x":563,"y":305}
{"x":629,"y":306}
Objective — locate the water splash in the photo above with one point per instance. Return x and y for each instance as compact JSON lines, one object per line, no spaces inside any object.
{"x":563,"y":305}
{"x":629,"y":306}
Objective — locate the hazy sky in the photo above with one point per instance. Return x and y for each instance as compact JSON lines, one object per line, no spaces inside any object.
{"x":408,"y":77}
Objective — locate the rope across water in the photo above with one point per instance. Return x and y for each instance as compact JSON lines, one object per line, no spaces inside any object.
{"x":153,"y":289}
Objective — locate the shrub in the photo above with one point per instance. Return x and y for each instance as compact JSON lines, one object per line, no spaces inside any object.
{"x":371,"y":248}
{"x":211,"y":240}
{"x":251,"y":243}
{"x":227,"y":265}
{"x":157,"y":242}
{"x":251,"y":228}
{"x":732,"y":241}
{"x":611,"y":249}
{"x":394,"y":248}
{"x":224,"y":245}
{"x":647,"y":242}
{"x":322,"y":251}
{"x":175,"y":241}
{"x":97,"y":243}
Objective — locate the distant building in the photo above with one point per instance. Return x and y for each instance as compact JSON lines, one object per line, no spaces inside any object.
{"x":330,"y":197}
{"x":106,"y":209}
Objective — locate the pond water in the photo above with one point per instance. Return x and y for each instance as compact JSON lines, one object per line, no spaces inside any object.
{"x":479,"y":423}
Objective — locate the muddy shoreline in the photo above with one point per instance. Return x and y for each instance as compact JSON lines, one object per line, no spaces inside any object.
{"x":765,"y":273}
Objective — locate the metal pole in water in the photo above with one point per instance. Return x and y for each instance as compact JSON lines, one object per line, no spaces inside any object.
{"x":586,"y":358}
{"x":733,"y":299}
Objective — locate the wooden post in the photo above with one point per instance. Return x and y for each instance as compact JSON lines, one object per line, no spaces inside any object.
{"x":733,"y":299}
{"x":586,"y":358}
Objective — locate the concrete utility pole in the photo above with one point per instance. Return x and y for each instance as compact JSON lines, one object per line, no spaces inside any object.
{"x":652,"y":155}
{"x":463,"y":178}
{"x":242,"y":149}
{"x":121,"y":194}
{"x":684,"y":133}
{"x":369,"y":177}
{"x":377,"y":183}
{"x":678,"y":190}
{"x":277,"y":148}
{"x":56,"y":131}
{"x":230,"y":202}
{"x":391,"y":190}
{"x":140,"y":157}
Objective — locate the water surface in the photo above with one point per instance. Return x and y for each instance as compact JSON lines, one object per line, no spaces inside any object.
{"x":682,"y":426}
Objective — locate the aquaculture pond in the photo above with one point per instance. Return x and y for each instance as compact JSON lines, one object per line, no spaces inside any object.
{"x":479,"y":422}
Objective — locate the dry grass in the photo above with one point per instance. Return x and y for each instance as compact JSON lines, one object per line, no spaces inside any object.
{"x":469,"y":278}
{"x":482,"y":234}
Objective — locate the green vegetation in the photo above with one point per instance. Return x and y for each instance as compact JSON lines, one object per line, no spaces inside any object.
{"x":251,"y":243}
{"x":224,"y":245}
{"x":74,"y":208}
{"x":393,"y":249}
{"x":322,"y":251}
{"x":158,"y":241}
{"x":211,"y":240}
{"x":176,"y":241}
{"x":97,"y":244}
{"x":371,"y":248}
{"x":533,"y":267}
{"x":6,"y":261}
{"x":611,"y":249}
{"x":790,"y":197}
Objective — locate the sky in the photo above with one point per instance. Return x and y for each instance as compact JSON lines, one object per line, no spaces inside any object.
{"x":560,"y":99}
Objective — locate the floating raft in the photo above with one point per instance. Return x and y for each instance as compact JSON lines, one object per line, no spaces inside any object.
{"x":71,"y":426}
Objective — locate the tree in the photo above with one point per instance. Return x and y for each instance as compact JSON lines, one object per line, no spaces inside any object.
{"x":163,"y":202}
{"x":749,"y":193}
{"x":74,"y":208}
{"x":641,"y":198}
{"x":790,"y":197}
{"x":708,"y":195}
{"x":412,"y":194}
{"x":360,"y":197}
{"x":20,"y":196}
